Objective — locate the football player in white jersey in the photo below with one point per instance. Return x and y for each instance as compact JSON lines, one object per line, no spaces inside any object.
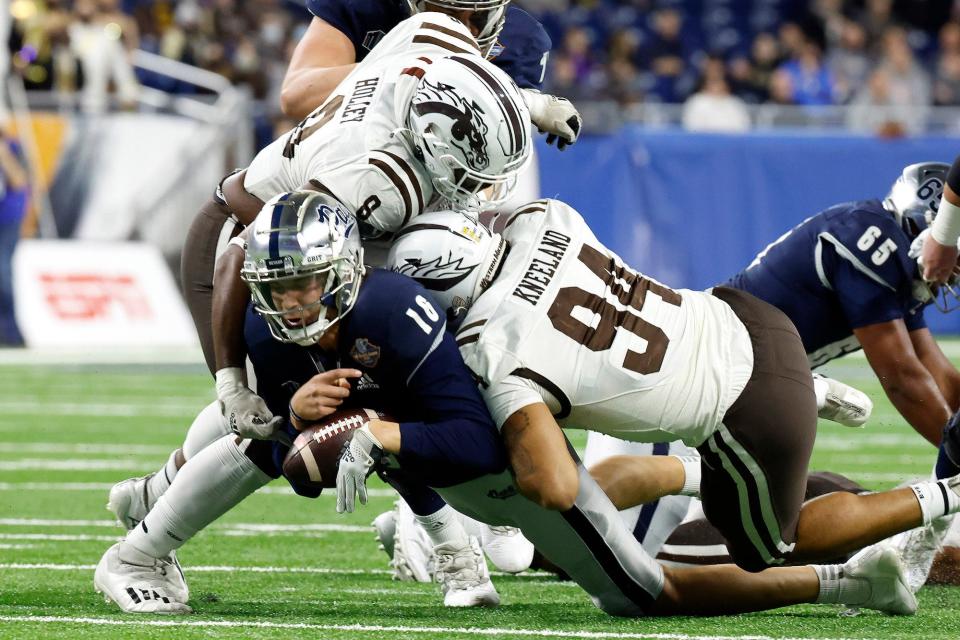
{"x":560,"y":334}
{"x":423,"y":118}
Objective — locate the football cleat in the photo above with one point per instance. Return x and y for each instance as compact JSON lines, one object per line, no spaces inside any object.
{"x":385,"y":525}
{"x":881,"y":568}
{"x":844,"y":404}
{"x":463,"y":576}
{"x":918,"y":548}
{"x":130,"y":500}
{"x":137,"y":583}
{"x":507,"y":548}
{"x":412,"y":550}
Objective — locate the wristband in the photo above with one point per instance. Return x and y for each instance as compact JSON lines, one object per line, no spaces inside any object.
{"x":295,"y":416}
{"x":946,"y":225}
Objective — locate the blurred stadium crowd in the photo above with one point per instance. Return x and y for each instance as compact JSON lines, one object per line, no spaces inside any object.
{"x":897,"y":53}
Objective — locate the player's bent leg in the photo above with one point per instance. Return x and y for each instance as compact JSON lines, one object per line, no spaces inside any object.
{"x":460,"y":567}
{"x":841,"y":403}
{"x":639,"y":478}
{"x":209,"y":485}
{"x":588,"y":542}
{"x":842,"y":522}
{"x":131,"y":499}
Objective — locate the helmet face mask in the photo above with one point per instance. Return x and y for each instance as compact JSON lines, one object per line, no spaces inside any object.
{"x":945,"y":297}
{"x":469,"y":125}
{"x":303,"y":265}
{"x":488,"y":17}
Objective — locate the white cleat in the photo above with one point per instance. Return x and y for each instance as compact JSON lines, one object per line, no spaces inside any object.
{"x":137,"y":583}
{"x":385,"y":525}
{"x":881,"y":568}
{"x":918,"y":548}
{"x":507,"y":548}
{"x":463,"y":576}
{"x":844,"y":404}
{"x":129,"y":501}
{"x":412,"y":550}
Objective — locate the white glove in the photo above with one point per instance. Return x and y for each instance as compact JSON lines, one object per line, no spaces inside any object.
{"x":356,"y":463}
{"x":245,"y":411}
{"x":554,"y":116}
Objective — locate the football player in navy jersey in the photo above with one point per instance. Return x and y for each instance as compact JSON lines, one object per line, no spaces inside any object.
{"x":343,"y":32}
{"x":848,"y":278}
{"x":332,"y":334}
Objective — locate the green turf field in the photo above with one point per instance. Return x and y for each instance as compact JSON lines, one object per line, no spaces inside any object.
{"x":283,"y":566}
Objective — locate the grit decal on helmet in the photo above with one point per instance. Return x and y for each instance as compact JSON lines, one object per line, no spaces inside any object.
{"x":469,"y":129}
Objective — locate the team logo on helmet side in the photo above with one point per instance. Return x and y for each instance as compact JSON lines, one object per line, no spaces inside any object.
{"x":440,"y":274}
{"x":468,"y":130}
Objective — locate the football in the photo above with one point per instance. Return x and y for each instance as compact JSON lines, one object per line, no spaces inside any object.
{"x":313,"y":457}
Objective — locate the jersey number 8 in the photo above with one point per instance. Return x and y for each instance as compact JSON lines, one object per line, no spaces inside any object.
{"x":600,"y":338}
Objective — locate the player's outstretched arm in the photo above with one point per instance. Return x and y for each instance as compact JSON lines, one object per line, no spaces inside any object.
{"x":230,"y":299}
{"x":939,"y":254}
{"x":321,"y":60}
{"x":909,"y":385}
{"x":946,"y":375}
{"x":545,"y":472}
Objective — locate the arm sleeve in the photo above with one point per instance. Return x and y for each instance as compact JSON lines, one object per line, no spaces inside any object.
{"x":524,"y":47}
{"x":513,"y":393}
{"x":382,"y":190}
{"x":454,"y":440}
{"x":915,"y":320}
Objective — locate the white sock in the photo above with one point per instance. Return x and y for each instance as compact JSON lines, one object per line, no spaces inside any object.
{"x":209,"y":485}
{"x":443,"y":527}
{"x":835,"y":588}
{"x":691,"y":478}
{"x":820,"y":388}
{"x":208,"y":427}
{"x":470,"y":526}
{"x":936,"y":499}
{"x":159,"y":482}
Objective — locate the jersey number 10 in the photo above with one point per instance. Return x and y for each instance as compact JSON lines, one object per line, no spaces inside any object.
{"x":634,"y":294}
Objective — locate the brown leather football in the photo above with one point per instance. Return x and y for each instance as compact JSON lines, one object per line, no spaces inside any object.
{"x":313,"y":458}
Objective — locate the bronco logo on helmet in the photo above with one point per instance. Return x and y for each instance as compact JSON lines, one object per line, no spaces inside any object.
{"x":468,"y":125}
{"x":439,"y":274}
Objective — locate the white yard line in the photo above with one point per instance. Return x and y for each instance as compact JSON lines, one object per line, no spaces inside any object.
{"x":59,"y":537}
{"x":59,"y":447}
{"x":49,"y":566}
{"x":105,"y":486}
{"x":101,"y":409}
{"x":59,"y":356}
{"x":379,"y":629}
{"x":75,"y":464}
{"x":251,"y":527}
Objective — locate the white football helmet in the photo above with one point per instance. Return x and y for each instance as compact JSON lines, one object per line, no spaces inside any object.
{"x":488,"y":17}
{"x":303,"y":264}
{"x":469,"y":125}
{"x":450,"y":254}
{"x":915,"y":197}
